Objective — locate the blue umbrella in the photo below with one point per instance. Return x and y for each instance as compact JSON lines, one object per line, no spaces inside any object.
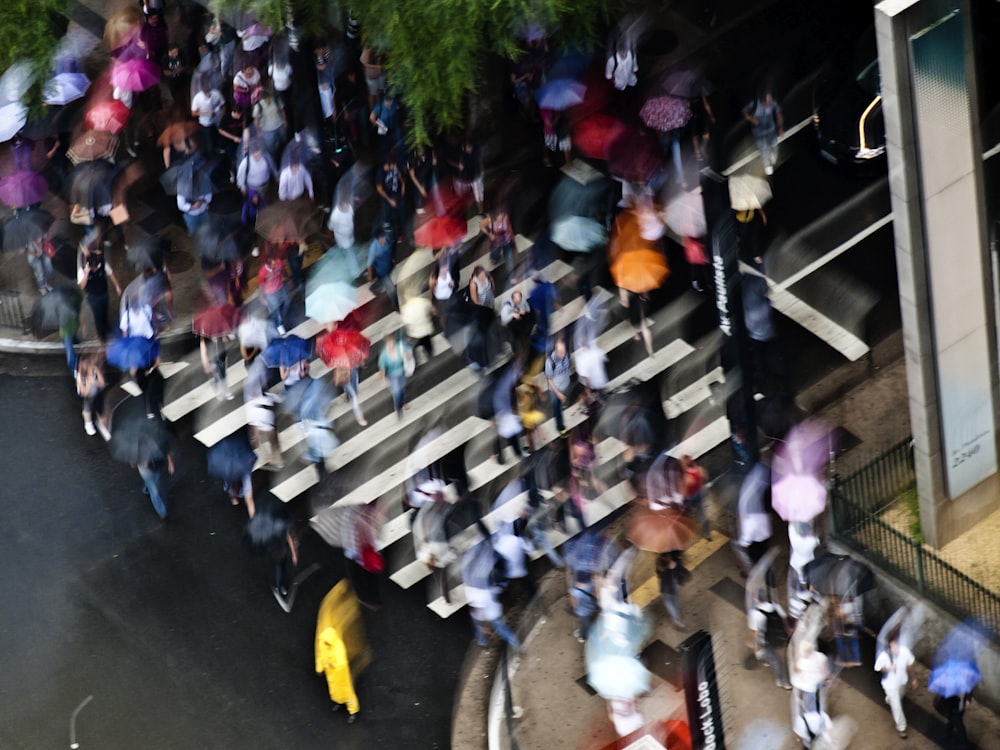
{"x":954,"y":677}
{"x":329,"y":296}
{"x":578,"y":234}
{"x":287,"y":351}
{"x":560,"y":94}
{"x":591,"y":552}
{"x":133,"y":352}
{"x":611,"y":655}
{"x":231,"y":458}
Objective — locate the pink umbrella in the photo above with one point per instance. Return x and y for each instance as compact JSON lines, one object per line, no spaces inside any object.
{"x":797,"y":493}
{"x":135,"y":75}
{"x":666,"y":112}
{"x":798,"y":497}
{"x":23,"y":189}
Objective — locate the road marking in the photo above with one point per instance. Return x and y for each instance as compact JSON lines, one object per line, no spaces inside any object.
{"x":755,"y":154}
{"x":167,"y":369}
{"x":697,"y":392}
{"x":649,"y":590}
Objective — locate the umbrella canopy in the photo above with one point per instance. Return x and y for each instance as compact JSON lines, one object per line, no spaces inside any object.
{"x":13,"y":116}
{"x":109,"y":115}
{"x":135,"y":75}
{"x":611,"y":655}
{"x":687,"y":84}
{"x":342,"y":348}
{"x":954,"y":677}
{"x":23,"y":189}
{"x":177,"y":134}
{"x":288,"y":221}
{"x":798,"y":497}
{"x":578,"y":234}
{"x":216,"y":321}
{"x":60,"y":307}
{"x":478,"y":564}
{"x":146,"y":253}
{"x":640,"y":271}
{"x":592,"y":136}
{"x":15,"y":81}
{"x":135,"y":439}
{"x":194,"y":177}
{"x":329,"y":301}
{"x":440,"y":231}
{"x":747,"y":192}
{"x":560,"y":93}
{"x":685,"y":214}
{"x":256,"y":332}
{"x":633,"y":156}
{"x":839,"y":575}
{"x":133,"y":352}
{"x":905,"y":624}
{"x":666,"y":112}
{"x":25,"y":227}
{"x":219,"y":240}
{"x":286,"y":351}
{"x":94,"y":144}
{"x":660,"y":530}
{"x":91,"y":183}
{"x":64,"y":88}
{"x":345,"y":526}
{"x":231,"y":458}
{"x":267,"y":532}
{"x":591,"y":552}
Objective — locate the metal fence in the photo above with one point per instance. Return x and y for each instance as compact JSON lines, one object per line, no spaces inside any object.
{"x":11,"y":313}
{"x":857,"y":524}
{"x":875,"y":484}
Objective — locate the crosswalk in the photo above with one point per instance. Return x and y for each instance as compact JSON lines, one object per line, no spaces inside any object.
{"x":377,"y":460}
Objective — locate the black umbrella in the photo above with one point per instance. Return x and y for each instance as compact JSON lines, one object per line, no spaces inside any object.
{"x":58,"y":308}
{"x":839,"y":575}
{"x":689,"y":84}
{"x":90,"y":183}
{"x":231,"y":458}
{"x":170,"y":176}
{"x":219,"y":240}
{"x":146,"y":253}
{"x":136,"y":439}
{"x":25,"y":227}
{"x":194,"y":178}
{"x":266,"y":533}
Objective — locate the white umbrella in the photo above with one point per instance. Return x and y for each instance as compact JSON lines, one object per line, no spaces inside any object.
{"x":685,"y":215}
{"x":65,"y":88}
{"x":747,"y":191}
{"x":578,"y":234}
{"x":16,"y":81}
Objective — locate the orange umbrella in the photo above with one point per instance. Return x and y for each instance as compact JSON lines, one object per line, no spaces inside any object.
{"x":660,"y":530}
{"x":640,"y":271}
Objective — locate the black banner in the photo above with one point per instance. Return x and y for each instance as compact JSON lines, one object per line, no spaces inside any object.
{"x":701,"y":692}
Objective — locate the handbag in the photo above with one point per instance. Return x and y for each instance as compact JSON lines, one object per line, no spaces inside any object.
{"x":49,"y":249}
{"x":409,"y":363}
{"x":81,"y":215}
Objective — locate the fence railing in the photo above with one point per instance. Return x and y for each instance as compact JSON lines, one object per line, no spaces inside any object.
{"x":855,"y":521}
{"x":11,"y":312}
{"x":878,"y":482}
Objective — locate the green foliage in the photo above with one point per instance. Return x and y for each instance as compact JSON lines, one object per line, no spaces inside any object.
{"x":30,"y":31}
{"x":911,"y":501}
{"x":436,"y":49}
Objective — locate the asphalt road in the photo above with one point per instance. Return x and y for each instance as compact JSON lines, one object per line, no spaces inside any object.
{"x":171,"y":627}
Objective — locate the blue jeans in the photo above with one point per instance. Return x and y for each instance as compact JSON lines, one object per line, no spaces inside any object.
{"x":70,"y":353}
{"x":193,"y":221}
{"x":351,"y":389}
{"x":277,"y":305}
{"x":767,"y":144}
{"x":397,"y":386}
{"x":499,"y":627}
{"x":41,"y":266}
{"x":151,"y":478}
{"x":557,"y":411}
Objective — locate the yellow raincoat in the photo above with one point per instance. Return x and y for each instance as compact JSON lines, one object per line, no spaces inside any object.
{"x":341,"y":648}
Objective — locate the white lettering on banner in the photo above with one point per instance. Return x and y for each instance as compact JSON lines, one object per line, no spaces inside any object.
{"x":721,"y":292}
{"x":707,"y":722}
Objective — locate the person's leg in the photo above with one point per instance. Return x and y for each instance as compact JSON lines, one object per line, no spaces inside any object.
{"x":99,"y":306}
{"x":500,"y":628}
{"x":351,"y":389}
{"x":397,"y":385}
{"x":541,"y":540}
{"x":35,"y":261}
{"x":557,"y":412}
{"x":71,"y":359}
{"x":390,"y":290}
{"x":672,"y":603}
{"x":151,"y":478}
{"x":675,"y":155}
{"x":894,"y":697}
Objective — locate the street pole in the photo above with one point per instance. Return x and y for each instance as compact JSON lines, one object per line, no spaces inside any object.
{"x":734,"y":349}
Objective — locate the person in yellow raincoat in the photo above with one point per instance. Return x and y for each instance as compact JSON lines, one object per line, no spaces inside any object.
{"x":341,"y":648}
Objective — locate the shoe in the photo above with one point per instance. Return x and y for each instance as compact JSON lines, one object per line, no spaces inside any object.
{"x":103,"y":430}
{"x":282,"y":601}
{"x":768,"y":170}
{"x":903,"y":735}
{"x":783,"y":684}
{"x":363,"y":422}
{"x":230,"y":396}
{"x":255,"y":252}
{"x":89,"y":428}
{"x":678,"y":624}
{"x":281,"y":330}
{"x":578,"y":635}
{"x":145,"y":490}
{"x":351,"y":718}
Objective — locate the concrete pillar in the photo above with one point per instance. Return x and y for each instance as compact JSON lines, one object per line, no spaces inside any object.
{"x":942,"y":257}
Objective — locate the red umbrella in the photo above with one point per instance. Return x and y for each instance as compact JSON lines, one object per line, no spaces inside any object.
{"x":440,"y":231}
{"x":216,"y":320}
{"x":666,"y":112}
{"x":343,"y":348}
{"x":592,"y":136}
{"x":110,"y":115}
{"x":23,"y":189}
{"x":633,"y":156}
{"x":135,"y":75}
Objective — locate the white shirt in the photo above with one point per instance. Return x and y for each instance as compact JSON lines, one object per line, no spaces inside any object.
{"x":341,"y":223}
{"x":212,"y":103}
{"x":253,"y":172}
{"x":622,"y":70}
{"x":187,"y":206}
{"x":293,"y":183}
{"x":512,"y":549}
{"x":803,"y":548}
{"x":281,"y":76}
{"x":894,"y":673}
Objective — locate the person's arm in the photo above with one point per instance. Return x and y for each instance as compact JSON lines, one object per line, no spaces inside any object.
{"x":385,"y":196}
{"x":111,"y":275}
{"x":283,"y":185}
{"x":747,"y":113}
{"x":779,"y":120}
{"x":420,"y":188}
{"x":309,"y":183}
{"x":486,"y":227}
{"x":170,"y":463}
{"x":708,"y":109}
{"x":293,"y":548}
{"x":474,"y":291}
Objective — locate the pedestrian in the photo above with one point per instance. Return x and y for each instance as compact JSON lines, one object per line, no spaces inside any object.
{"x":269,"y":534}
{"x":391,"y":187}
{"x":151,"y":471}
{"x":698,"y":262}
{"x":672,"y":574}
{"x":280,"y":71}
{"x":341,"y":650}
{"x":487,"y":616}
{"x":802,"y":542}
{"x":482,"y":291}
{"x":809,"y":675}
{"x":767,"y":621}
{"x":372,"y":61}
{"x":693,"y":479}
{"x":269,"y":120}
{"x":386,"y":120}
{"x":753,"y":516}
{"x":510,"y":545}
{"x":468,"y":168}
{"x":443,"y":279}
{"x":208,"y":105}
{"x":93,"y":275}
{"x":380,"y":265}
{"x":294,"y":182}
{"x":392,"y":364}
{"x":39,"y":254}
{"x":420,"y":166}
{"x":953,"y":709}
{"x":557,"y":375}
{"x":636,"y":305}
{"x":175,"y":70}
{"x":213,"y":362}
{"x":506,"y":420}
{"x":417,"y":314}
{"x":271,"y":282}
{"x":848,"y":617}
{"x":341,"y":222}
{"x":895,"y":666}
{"x":90,"y":385}
{"x":583,"y":598}
{"x":252,"y":177}
{"x":233,"y":132}
{"x":748,"y":226}
{"x":702,"y":118}
{"x":766,"y":125}
{"x":498,"y":228}
{"x":621,"y":67}
{"x":259,"y":404}
{"x":246,"y":86}
{"x":349,"y":379}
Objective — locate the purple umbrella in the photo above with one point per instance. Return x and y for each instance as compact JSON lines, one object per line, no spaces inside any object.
{"x":666,"y":112}
{"x":560,"y":94}
{"x":23,"y":189}
{"x":135,"y":75}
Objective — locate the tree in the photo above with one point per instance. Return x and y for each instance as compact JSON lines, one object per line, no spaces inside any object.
{"x":30,"y":31}
{"x":435,"y":49}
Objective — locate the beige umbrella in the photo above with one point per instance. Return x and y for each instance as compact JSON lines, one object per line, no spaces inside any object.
{"x":748,"y":192}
